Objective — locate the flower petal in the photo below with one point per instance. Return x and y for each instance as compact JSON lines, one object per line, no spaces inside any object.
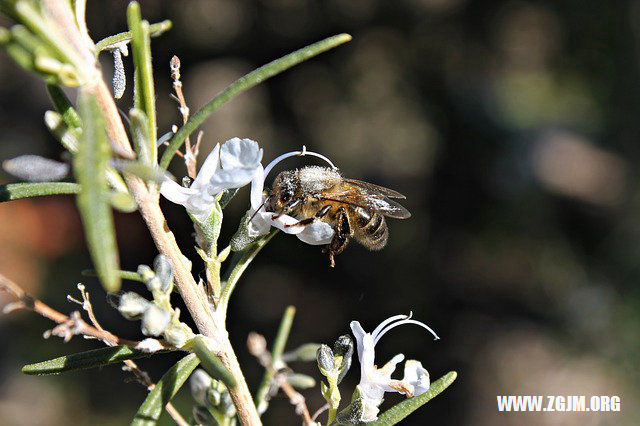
{"x":240,"y":153}
{"x":317,"y":233}
{"x":417,"y":375}
{"x":232,"y":178}
{"x":208,"y":168}
{"x":260,"y":224}
{"x":257,"y":187}
{"x":176,"y":193}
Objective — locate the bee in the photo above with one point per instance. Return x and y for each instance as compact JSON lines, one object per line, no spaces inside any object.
{"x":354,"y":209}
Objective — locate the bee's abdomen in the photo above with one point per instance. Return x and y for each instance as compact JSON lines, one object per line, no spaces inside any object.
{"x":371,"y":229}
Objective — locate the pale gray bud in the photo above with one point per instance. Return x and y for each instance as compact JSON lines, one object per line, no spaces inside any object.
{"x":343,"y":347}
{"x":176,"y":335}
{"x":154,"y":284}
{"x":200,"y":383}
{"x":226,"y":404}
{"x":131,"y":305}
{"x":164,"y":271}
{"x":155,"y":321}
{"x":145,"y":272}
{"x":34,"y":168}
{"x":119,"y":77}
{"x":324,"y":356}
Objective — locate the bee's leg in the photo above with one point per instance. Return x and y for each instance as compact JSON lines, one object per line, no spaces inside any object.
{"x":287,"y":208}
{"x":343,"y":232}
{"x":304,"y":222}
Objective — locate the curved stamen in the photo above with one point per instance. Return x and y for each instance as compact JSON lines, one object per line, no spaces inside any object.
{"x":383,"y":324}
{"x":302,"y":153}
{"x":404,"y":321}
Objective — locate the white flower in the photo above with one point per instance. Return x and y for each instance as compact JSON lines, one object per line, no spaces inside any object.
{"x":231,"y":165}
{"x":317,"y":233}
{"x":374,"y":381}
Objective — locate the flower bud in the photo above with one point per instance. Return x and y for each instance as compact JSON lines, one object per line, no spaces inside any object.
{"x":306,"y":352}
{"x":324,"y":356}
{"x":226,"y":404}
{"x":146,"y":273}
{"x":200,"y":383}
{"x":155,"y":321}
{"x":164,"y":271}
{"x":301,"y":381}
{"x":154,"y":284}
{"x":131,"y":305}
{"x":176,"y":335}
{"x":343,"y":347}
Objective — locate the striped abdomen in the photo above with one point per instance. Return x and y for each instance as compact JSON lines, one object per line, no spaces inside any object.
{"x":370,"y":228}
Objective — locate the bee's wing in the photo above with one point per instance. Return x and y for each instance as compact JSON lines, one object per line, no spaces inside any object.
{"x":374,"y":188}
{"x":366,"y":196}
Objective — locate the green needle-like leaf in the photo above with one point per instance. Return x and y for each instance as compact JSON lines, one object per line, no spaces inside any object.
{"x":113,"y":41}
{"x":150,"y":410}
{"x":409,"y":405}
{"x":212,"y":364}
{"x":144,"y":89}
{"x":16,"y":191}
{"x":84,"y":360}
{"x":244,"y":83}
{"x":64,"y":107}
{"x":90,"y":165}
{"x":276,"y":354}
{"x":125,"y":275}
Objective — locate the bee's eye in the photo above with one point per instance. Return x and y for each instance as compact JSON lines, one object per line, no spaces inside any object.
{"x":286,"y":196}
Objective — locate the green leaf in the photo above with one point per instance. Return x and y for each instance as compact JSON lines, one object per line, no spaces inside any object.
{"x":139,"y":126}
{"x":16,"y":191}
{"x":125,"y":275}
{"x":64,"y":107}
{"x":212,"y":363}
{"x":58,"y":128}
{"x":239,"y":263}
{"x":409,"y":405}
{"x":276,"y":354}
{"x":113,"y":41}
{"x":90,"y":165}
{"x":84,"y":360}
{"x":244,"y":83}
{"x":144,"y":89}
{"x":150,"y":410}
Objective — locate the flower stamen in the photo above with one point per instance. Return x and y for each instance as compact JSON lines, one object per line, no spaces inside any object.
{"x":301,"y":153}
{"x":407,"y":320}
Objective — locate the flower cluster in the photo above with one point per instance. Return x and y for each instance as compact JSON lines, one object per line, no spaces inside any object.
{"x":233,"y":165}
{"x":374,"y":381}
{"x":157,"y":317}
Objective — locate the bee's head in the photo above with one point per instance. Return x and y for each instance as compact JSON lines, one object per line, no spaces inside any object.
{"x":282,"y":192}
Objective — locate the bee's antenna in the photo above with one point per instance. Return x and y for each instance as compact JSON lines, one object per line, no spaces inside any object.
{"x":261,"y":206}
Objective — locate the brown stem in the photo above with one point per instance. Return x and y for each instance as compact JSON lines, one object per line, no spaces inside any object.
{"x":147,"y":200}
{"x":193,"y":295}
{"x":247,"y":413}
{"x":68,"y":325}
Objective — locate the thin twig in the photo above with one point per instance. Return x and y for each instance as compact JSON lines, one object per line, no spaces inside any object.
{"x":191,"y":152}
{"x":75,"y":325}
{"x":68,"y":326}
{"x":142,"y":376}
{"x":319,"y":411}
{"x":295,"y":398}
{"x":275,"y":378}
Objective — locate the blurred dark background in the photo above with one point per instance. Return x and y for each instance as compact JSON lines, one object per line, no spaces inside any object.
{"x":511,"y":126}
